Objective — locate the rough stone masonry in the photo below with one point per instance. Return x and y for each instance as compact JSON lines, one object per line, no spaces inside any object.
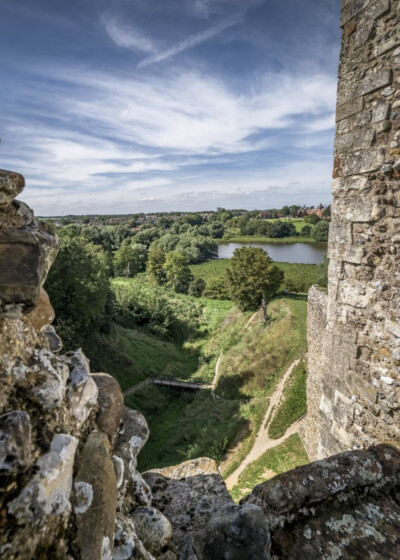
{"x":354,"y":354}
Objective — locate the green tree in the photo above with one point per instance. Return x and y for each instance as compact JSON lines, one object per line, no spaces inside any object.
{"x":130,"y":259}
{"x":155,"y":265}
{"x":79,"y":288}
{"x":197,"y":287}
{"x":177,"y":271}
{"x":306,"y":230}
{"x":252,"y":278}
{"x":320,"y":231}
{"x":314,"y":219}
{"x":327,"y":212}
{"x":216,"y":230}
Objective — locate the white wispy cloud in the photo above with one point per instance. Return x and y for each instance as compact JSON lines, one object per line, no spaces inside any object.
{"x":127,"y":36}
{"x":115,"y":142}
{"x":191,"y":41}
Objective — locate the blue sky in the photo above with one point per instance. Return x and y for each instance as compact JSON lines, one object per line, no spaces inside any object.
{"x":123,"y":106}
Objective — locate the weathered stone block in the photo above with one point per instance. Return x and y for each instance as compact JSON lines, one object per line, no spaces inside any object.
{"x":381,"y":113}
{"x":43,"y":314}
{"x":26,"y":255}
{"x":11,"y":184}
{"x":353,"y":141}
{"x":349,"y":108}
{"x":366,"y":22}
{"x":378,"y":80}
{"x":351,"y":9}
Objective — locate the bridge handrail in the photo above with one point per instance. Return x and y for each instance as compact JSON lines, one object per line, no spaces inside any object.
{"x":196,"y":381}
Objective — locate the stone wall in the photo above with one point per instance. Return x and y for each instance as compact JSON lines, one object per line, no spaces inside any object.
{"x":316,"y":324}
{"x":359,"y":365}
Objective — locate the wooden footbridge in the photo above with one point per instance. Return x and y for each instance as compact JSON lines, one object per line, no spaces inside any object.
{"x":193,"y":385}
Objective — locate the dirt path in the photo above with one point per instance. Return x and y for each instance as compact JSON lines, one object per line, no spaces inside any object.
{"x":263,"y":442}
{"x":251,"y":320}
{"x":214,"y":381}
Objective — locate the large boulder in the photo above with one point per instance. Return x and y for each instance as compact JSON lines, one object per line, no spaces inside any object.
{"x":234,"y":532}
{"x":198,"y":483}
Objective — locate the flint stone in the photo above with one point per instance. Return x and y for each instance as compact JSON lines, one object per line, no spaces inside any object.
{"x":134,"y":433}
{"x":46,"y":379}
{"x":153,"y":528}
{"x":234,"y":532}
{"x":111,"y":404}
{"x":95,"y":523}
{"x":43,"y":314}
{"x":127,"y":545}
{"x":15,"y":442}
{"x":132,"y":436}
{"x":48,"y":492}
{"x":55,"y":342}
{"x":11,"y":184}
{"x":82,"y":390}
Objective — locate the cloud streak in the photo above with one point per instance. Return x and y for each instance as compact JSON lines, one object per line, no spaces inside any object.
{"x":191,"y":41}
{"x":127,"y":36}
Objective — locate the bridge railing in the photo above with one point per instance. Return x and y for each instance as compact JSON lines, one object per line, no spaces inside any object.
{"x":195,"y":381}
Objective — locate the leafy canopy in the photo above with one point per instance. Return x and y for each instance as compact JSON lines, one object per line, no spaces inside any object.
{"x":252,"y":277}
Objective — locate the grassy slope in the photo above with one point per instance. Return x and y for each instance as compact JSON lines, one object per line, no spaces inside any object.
{"x":257,"y":357}
{"x":184,"y":426}
{"x":288,"y":455}
{"x":131,"y":355}
{"x":295,"y":404}
{"x":187,"y":425}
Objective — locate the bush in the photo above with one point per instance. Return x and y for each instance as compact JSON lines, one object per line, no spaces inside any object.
{"x":320,"y":231}
{"x":197,"y":287}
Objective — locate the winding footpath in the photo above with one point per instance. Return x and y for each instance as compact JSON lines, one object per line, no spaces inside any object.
{"x":263,"y":442}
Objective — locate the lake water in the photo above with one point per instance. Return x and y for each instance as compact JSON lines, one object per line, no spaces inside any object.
{"x":306,"y":253}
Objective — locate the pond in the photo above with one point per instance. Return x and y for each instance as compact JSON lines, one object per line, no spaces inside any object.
{"x":306,"y":253}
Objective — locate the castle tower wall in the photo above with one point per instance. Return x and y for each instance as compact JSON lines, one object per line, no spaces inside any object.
{"x":354,"y":363}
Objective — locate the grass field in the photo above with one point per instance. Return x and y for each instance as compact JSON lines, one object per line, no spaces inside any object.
{"x":295,"y":404}
{"x":262,"y":239}
{"x":288,"y":455}
{"x":298,"y":277}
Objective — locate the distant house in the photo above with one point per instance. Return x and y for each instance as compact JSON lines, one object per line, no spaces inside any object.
{"x":319,"y":210}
